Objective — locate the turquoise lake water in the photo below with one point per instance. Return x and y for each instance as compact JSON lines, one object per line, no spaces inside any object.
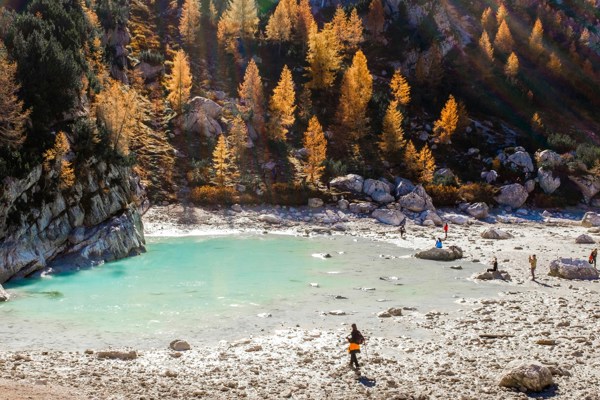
{"x":213,"y":288}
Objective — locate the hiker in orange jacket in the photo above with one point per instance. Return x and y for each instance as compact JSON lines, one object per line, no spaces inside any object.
{"x":355,"y":339}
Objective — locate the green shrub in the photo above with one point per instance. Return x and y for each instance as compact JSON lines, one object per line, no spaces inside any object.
{"x":151,"y":57}
{"x":587,"y":154}
{"x":561,"y":143}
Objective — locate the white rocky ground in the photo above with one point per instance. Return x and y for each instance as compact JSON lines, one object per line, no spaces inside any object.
{"x":555,"y":324}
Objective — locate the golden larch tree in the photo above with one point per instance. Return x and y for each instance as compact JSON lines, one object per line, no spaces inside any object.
{"x":316,"y":147}
{"x":504,"y":41}
{"x":240,"y":20}
{"x":486,"y":46}
{"x":56,"y":158}
{"x":252,"y":95}
{"x":535,"y":39}
{"x":225,"y":171}
{"x":554,"y":64}
{"x":445,"y":127}
{"x":426,"y":165}
{"x":536,"y":122}
{"x":354,"y":31}
{"x":292,"y":10}
{"x":392,"y":135}
{"x":279,"y":27}
{"x":282,"y":106}
{"x":400,"y":88}
{"x":488,"y":22}
{"x":501,"y":14}
{"x":119,"y":114}
{"x":304,"y":22}
{"x":213,"y":13}
{"x":12,"y":114}
{"x":338,"y":24}
{"x":189,"y":23}
{"x":410,"y":160}
{"x":511,"y":69}
{"x":375,"y":21}
{"x":179,"y":82}
{"x":238,"y":136}
{"x":584,"y":38}
{"x":323,"y":58}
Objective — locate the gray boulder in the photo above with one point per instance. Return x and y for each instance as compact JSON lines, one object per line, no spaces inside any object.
{"x":489,"y":176}
{"x":547,"y":181}
{"x":513,"y":195}
{"x":520,"y":160}
{"x":343,"y":204}
{"x":571,"y":268}
{"x":444,"y":176}
{"x":349,"y":183}
{"x":149,"y":72}
{"x":548,"y":158}
{"x":457,"y":219}
{"x":403,"y":187}
{"x":202,"y":117}
{"x":389,"y":217}
{"x":497,"y":234}
{"x":584,"y":239}
{"x":416,"y":201}
{"x":391,"y":312}
{"x":270,"y":219}
{"x":448,"y":254}
{"x":530,"y":185}
{"x":526,"y":376}
{"x":488,"y":276}
{"x":363,"y":207}
{"x":3,"y":295}
{"x":382,"y":197}
{"x":590,"y":219}
{"x":588,"y":185}
{"x":179,"y":345}
{"x":432,"y":216}
{"x":315,"y":202}
{"x":478,"y":210}
{"x":371,"y":186}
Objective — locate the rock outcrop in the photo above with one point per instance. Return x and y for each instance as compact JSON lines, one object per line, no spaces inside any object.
{"x":478,"y":210}
{"x":548,"y":158}
{"x":202,"y":117}
{"x":590,"y":219}
{"x":96,"y":220}
{"x":584,"y":239}
{"x":571,"y":268}
{"x":497,"y":234}
{"x":526,"y":376}
{"x":403,"y":187}
{"x":349,"y":183}
{"x":449,"y":254}
{"x":513,"y":195}
{"x":588,"y":185}
{"x":389,"y":217}
{"x":520,"y":160}
{"x":548,"y":182}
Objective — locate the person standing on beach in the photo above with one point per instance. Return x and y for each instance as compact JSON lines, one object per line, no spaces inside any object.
{"x":438,"y":243}
{"x":445,"y":231}
{"x":593,"y":257}
{"x":533,"y":264}
{"x":494,"y":265}
{"x":403,"y":228}
{"x":355,"y":339}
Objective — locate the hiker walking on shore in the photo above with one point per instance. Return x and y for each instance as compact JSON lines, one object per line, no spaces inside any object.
{"x":593,"y":257}
{"x":403,"y":228}
{"x":445,"y":231}
{"x":533,"y":264}
{"x":355,"y":339}
{"x":494,"y":265}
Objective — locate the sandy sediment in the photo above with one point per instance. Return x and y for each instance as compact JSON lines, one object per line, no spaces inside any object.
{"x":552,"y":321}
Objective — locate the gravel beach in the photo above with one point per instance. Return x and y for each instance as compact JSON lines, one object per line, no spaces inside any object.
{"x":551,"y":321}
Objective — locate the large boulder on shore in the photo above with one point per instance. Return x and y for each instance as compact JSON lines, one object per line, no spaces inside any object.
{"x":349,"y":183}
{"x":478,"y":210}
{"x":497,"y":234}
{"x":3,"y":295}
{"x":584,"y":239}
{"x":429,"y":215}
{"x":588,"y":185}
{"x":389,"y":217}
{"x":403,"y":187}
{"x":526,"y":376}
{"x":363,"y":207}
{"x":448,"y":254}
{"x":590,"y":219}
{"x":572,"y":268}
{"x":416,"y":201}
{"x":520,"y":160}
{"x":371,"y":186}
{"x":548,"y":182}
{"x":513,"y":195}
{"x":382,"y":197}
{"x":548,"y":158}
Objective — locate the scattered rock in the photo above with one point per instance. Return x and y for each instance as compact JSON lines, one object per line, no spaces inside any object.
{"x":389,"y":217}
{"x":570,"y":268}
{"x":584,"y":239}
{"x":179,"y":345}
{"x":4,"y":296}
{"x":372,"y":186}
{"x":256,"y":347}
{"x":117,"y":355}
{"x":430,"y":217}
{"x":491,"y":275}
{"x":546,"y":342}
{"x":264,"y":315}
{"x":337,"y":312}
{"x":382,"y":197}
{"x":513,"y":195}
{"x":526,"y":376}
{"x":364,"y":207}
{"x":478,"y":210}
{"x":315,"y":202}
{"x":343,"y":204}
{"x":391,"y":312}
{"x":458,"y":267}
{"x":588,"y":185}
{"x":493,"y":233}
{"x":236,"y":207}
{"x":449,"y":254}
{"x":521,"y":160}
{"x":270,"y":219}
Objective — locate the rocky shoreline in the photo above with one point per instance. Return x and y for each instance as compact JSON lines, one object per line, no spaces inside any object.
{"x":553,"y":322}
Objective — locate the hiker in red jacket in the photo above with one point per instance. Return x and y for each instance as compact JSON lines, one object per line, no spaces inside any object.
{"x":445,"y":231}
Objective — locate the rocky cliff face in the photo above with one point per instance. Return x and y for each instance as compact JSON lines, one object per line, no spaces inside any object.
{"x":96,"y":220}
